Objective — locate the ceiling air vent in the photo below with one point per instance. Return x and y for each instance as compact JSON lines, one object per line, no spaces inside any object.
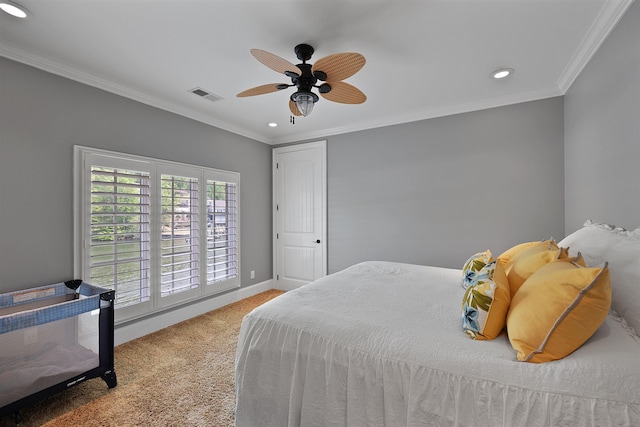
{"x":205,"y":94}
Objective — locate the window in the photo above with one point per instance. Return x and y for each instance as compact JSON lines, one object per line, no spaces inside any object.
{"x":118,"y":253}
{"x":159,"y":233}
{"x":180,"y":244}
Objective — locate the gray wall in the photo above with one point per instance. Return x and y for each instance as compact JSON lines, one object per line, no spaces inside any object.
{"x":436,"y":191}
{"x":429,"y":192}
{"x":42,"y":116}
{"x":602,"y":132}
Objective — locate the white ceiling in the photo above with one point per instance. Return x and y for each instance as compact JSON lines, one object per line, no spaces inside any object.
{"x":425,"y":58}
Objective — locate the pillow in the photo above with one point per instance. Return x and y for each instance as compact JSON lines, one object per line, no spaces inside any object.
{"x":624,"y":264}
{"x":473,"y":265}
{"x":621,"y":249}
{"x":557,"y":310}
{"x":486,"y":303}
{"x":528,"y":260}
{"x":506,"y":256}
{"x":593,"y":241}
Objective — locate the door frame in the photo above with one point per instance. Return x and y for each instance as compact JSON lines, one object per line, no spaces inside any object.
{"x":287,"y":149}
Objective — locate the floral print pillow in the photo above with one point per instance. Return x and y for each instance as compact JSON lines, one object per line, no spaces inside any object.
{"x":473,"y":266}
{"x":486,"y":302}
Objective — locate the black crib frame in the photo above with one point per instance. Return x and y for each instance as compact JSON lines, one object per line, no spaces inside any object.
{"x":105,"y":370}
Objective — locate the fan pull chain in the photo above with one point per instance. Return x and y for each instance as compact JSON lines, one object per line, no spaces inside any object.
{"x":292,"y":120}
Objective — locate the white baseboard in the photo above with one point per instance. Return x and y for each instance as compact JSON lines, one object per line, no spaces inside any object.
{"x":287,"y":288}
{"x":137,"y":329}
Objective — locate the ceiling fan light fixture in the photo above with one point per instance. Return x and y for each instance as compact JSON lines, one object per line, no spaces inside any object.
{"x":304,"y":101}
{"x":14,"y":9}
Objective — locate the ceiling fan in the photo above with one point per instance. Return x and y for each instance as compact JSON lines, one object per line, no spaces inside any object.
{"x":331,"y":70}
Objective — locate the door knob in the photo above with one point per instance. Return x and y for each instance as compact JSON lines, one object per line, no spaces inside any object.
{"x":318,"y":241}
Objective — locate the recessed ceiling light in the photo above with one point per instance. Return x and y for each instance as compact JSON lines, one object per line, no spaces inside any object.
{"x":272,"y":124}
{"x":502,"y":73}
{"x":14,"y":9}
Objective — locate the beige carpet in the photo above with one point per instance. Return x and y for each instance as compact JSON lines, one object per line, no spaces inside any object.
{"x":180,"y":376}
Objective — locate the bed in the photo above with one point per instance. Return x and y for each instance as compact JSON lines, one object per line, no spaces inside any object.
{"x":381,"y":344}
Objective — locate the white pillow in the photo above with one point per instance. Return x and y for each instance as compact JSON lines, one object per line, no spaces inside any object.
{"x":593,"y":241}
{"x":624,"y":270}
{"x":601,"y":243}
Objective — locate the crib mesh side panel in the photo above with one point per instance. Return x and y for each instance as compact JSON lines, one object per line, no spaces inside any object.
{"x":33,"y":358}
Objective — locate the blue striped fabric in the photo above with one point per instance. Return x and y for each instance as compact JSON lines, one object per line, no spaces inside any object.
{"x":89,"y":301}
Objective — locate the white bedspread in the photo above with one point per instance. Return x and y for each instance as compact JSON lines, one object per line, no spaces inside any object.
{"x":380,"y":344}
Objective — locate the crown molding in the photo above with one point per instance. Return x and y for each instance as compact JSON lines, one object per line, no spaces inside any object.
{"x":606,"y":21}
{"x":10,"y":51}
{"x":432,"y":113}
{"x":55,"y":67}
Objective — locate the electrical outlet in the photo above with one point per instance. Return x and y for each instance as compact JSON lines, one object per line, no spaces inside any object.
{"x":253,"y":274}
{"x":30,"y":335}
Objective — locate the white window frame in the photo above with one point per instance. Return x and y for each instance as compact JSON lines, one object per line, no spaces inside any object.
{"x":85,"y":158}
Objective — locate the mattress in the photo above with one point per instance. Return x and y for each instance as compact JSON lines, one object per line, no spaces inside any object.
{"x":22,"y":376}
{"x":381,"y":344}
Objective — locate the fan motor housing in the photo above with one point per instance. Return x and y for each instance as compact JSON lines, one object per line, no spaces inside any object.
{"x":303,"y":52}
{"x":306,"y":80}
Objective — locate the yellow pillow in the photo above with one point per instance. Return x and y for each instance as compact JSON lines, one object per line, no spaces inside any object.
{"x":557,"y":309}
{"x":528,"y":260}
{"x":486,"y":303}
{"x":510,"y":253}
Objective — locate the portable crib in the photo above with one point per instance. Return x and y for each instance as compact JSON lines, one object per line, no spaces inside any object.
{"x":51,"y":338}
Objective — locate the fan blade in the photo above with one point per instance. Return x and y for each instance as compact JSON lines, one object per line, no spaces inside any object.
{"x":294,"y":108}
{"x":339,"y":66}
{"x":260,"y":90}
{"x":274,"y":62}
{"x":344,"y":93}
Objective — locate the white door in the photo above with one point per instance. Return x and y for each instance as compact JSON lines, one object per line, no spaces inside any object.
{"x":299,"y":216}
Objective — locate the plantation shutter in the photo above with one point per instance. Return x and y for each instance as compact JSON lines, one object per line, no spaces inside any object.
{"x":119,"y":243}
{"x":180,"y":234}
{"x":222,"y":232}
